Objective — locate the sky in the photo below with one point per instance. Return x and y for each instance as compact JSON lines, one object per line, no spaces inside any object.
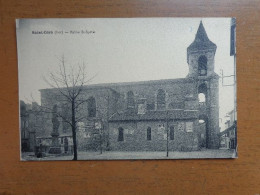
{"x":119,"y":50}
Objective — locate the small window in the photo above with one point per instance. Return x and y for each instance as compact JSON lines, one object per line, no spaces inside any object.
{"x":149,"y":133}
{"x":92,"y":107}
{"x":172,"y":133}
{"x":141,"y":109}
{"x":120,"y":134}
{"x":189,"y":126}
{"x":150,"y":106}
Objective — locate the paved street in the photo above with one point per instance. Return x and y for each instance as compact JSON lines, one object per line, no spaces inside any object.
{"x":108,"y":155}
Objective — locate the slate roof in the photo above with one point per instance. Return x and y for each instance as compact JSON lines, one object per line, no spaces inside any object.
{"x":111,"y":86}
{"x":154,"y":115}
{"x":201,"y":41}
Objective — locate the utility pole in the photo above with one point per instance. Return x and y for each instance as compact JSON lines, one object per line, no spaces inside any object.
{"x":232,"y":53}
{"x":167,"y":130}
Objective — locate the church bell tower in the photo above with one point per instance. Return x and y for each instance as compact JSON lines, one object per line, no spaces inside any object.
{"x":201,"y":61}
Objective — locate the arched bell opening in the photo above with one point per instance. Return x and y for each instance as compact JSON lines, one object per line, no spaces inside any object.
{"x":202,"y":94}
{"x":202,"y":66}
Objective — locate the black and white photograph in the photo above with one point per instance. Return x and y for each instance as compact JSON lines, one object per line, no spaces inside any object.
{"x":127,"y":88}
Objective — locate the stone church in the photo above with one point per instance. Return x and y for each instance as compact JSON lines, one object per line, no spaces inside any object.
{"x":149,"y":115}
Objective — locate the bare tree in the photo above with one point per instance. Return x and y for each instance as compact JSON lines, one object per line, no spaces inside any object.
{"x":69,"y":82}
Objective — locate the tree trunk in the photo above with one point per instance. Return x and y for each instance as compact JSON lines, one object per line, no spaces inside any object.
{"x":74,"y":127}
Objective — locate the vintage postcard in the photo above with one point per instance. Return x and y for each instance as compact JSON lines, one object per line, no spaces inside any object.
{"x":127,"y":88}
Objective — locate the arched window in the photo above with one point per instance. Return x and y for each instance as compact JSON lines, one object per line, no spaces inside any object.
{"x":202,"y":93}
{"x":91,"y":107}
{"x":130,"y":99}
{"x":149,"y":133}
{"x":202,"y":68}
{"x":120,"y":134}
{"x":161,"y":99}
{"x":171,"y":132}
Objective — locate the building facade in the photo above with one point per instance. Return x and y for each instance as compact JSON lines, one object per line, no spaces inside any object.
{"x":151,"y":115}
{"x":29,"y":120}
{"x":228,"y":137}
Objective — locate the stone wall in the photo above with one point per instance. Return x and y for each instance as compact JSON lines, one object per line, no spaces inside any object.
{"x":176,"y":91}
{"x":112,"y":98}
{"x":135,"y":136}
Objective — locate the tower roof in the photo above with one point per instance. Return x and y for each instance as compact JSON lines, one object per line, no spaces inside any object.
{"x":201,"y":41}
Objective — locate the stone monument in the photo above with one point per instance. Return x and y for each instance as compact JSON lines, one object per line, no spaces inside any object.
{"x":55,"y":148}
